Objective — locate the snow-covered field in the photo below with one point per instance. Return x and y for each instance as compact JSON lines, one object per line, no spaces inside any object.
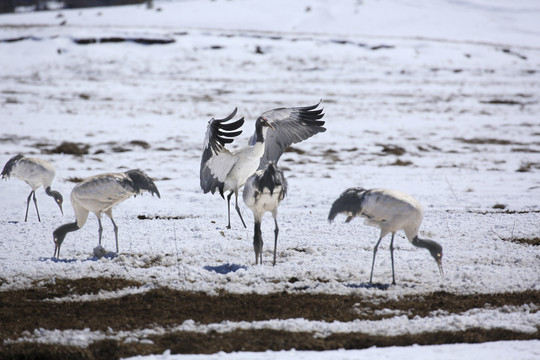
{"x":436,"y":99}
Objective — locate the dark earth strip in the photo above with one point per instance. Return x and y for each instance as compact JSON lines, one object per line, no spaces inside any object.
{"x":29,"y":309}
{"x":256,"y":340}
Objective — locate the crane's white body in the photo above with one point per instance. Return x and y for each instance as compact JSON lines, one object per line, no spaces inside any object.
{"x":99,"y":194}
{"x":391,"y":211}
{"x":262,"y":202}
{"x":233,"y":168}
{"x":35,"y":172}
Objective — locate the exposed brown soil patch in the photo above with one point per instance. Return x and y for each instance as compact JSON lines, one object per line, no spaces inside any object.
{"x":74,"y":179}
{"x":507,"y":211}
{"x":71,"y":148}
{"x":400,"y":162}
{"x":533,"y":241}
{"x":257,"y":340}
{"x":119,"y":39}
{"x":487,"y":141}
{"x":392,"y":149}
{"x":163,"y":217}
{"x":29,"y":309}
{"x":528,"y":166}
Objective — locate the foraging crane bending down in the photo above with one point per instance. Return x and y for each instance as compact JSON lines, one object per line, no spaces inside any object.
{"x":98,"y":194}
{"x":391,"y":211}
{"x":35,"y":172}
{"x":224,"y":170}
{"x":263,"y":192}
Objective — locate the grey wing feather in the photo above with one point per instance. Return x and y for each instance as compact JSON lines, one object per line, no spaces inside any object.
{"x":291,"y":125}
{"x":218,"y":133}
{"x":349,"y":202}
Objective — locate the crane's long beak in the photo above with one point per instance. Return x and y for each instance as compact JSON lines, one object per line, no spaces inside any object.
{"x":439,"y":262}
{"x":61,"y":210}
{"x":268,"y":123}
{"x":56,"y":249}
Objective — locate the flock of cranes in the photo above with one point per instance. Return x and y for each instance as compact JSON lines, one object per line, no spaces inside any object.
{"x":253,"y":168}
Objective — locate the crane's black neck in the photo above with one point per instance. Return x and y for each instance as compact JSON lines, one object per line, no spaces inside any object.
{"x":60,"y":233}
{"x":433,"y":247}
{"x":259,"y":131}
{"x":50,"y":192}
{"x":268,"y":179}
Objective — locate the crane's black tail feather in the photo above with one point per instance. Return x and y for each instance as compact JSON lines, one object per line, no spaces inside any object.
{"x":141,"y":181}
{"x":6,"y":173}
{"x":349,"y":202}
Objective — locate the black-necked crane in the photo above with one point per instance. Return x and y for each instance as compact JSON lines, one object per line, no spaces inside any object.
{"x":263,"y":192}
{"x":225,"y":170}
{"x":99,"y":194}
{"x":36,"y":173}
{"x":391,"y":211}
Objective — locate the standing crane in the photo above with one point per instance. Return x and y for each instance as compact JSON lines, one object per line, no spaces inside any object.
{"x":225,"y":170}
{"x":35,"y":172}
{"x":391,"y":211}
{"x":263,"y":192}
{"x":99,"y":194}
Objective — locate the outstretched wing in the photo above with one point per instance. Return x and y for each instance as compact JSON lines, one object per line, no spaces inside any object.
{"x":291,"y":125}
{"x":217,"y":161}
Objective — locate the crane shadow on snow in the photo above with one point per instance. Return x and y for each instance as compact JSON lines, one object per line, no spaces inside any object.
{"x":99,"y":253}
{"x":369,"y":286}
{"x":56,"y":260}
{"x":225,"y":268}
{"x":376,"y":286}
{"x":67,"y":261}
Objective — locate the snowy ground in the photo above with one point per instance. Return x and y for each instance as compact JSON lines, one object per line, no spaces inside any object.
{"x":498,"y":350}
{"x":453,"y":86}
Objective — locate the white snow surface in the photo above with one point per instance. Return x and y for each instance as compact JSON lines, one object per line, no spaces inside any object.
{"x":424,"y":76}
{"x":500,"y":350}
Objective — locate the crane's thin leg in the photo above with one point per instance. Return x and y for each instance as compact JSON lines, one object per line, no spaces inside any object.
{"x":238,"y":209}
{"x":35,"y":203}
{"x":229,"y":208}
{"x":276,"y":232}
{"x":392,"y":257}
{"x":28,"y":204}
{"x":373,"y":263}
{"x":257,"y":242}
{"x":100,"y":229}
{"x":115,"y":232}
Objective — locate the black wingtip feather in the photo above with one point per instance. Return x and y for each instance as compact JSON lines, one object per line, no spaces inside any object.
{"x":311,"y":107}
{"x":230,"y":126}
{"x":228,"y":117}
{"x":225,"y":133}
